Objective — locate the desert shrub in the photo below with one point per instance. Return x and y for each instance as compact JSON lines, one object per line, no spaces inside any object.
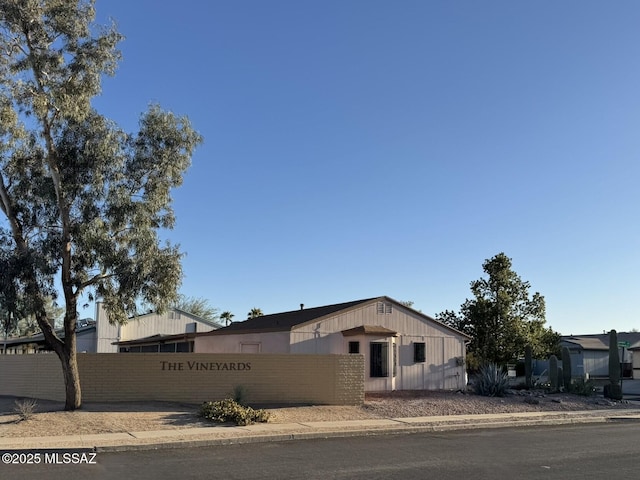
{"x":580,"y":386}
{"x":229,"y":410}
{"x":240,"y":394}
{"x":491,"y":381}
{"x":25,"y":408}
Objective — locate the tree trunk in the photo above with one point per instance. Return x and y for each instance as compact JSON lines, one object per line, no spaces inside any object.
{"x":66,"y":352}
{"x":73,"y":394}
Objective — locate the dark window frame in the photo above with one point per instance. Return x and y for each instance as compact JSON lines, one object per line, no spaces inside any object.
{"x":379,"y":359}
{"x":419,"y":352}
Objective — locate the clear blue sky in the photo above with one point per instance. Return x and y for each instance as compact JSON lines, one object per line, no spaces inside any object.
{"x":363,"y":148}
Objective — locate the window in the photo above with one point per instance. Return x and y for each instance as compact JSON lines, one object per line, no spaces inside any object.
{"x":379,"y":361}
{"x":384,"y":308}
{"x":354,"y":347}
{"x":419,"y":352}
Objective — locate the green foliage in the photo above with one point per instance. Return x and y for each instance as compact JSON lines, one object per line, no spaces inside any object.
{"x":83,"y":199}
{"x":240,"y":394}
{"x":255,"y":313}
{"x":614,"y":358}
{"x":553,"y":373}
{"x":566,"y":369}
{"x":230,"y":411}
{"x":528,"y":366}
{"x":583,"y":387}
{"x":491,"y":381}
{"x":503,"y":318}
{"x":613,"y":391}
{"x":227,"y":317}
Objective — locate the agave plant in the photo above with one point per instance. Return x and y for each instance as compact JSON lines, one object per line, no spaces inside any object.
{"x":491,"y":381}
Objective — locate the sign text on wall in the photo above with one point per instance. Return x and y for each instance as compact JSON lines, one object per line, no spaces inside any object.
{"x":183,"y":366}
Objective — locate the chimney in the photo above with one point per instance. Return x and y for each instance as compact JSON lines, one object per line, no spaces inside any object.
{"x":302,"y":306}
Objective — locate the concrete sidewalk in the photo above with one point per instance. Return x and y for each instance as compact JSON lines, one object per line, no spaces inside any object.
{"x":266,"y":432}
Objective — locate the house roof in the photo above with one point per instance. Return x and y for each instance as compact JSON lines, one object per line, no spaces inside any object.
{"x":154,"y":339}
{"x":369,"y":330}
{"x":587,"y":343}
{"x":282,"y":322}
{"x":39,"y":337}
{"x":600,"y":341}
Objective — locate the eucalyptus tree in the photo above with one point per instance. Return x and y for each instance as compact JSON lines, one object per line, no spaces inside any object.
{"x":82,"y":199}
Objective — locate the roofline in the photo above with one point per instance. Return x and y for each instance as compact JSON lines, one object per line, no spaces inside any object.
{"x":211,"y":323}
{"x":359,"y":304}
{"x":157,"y":339}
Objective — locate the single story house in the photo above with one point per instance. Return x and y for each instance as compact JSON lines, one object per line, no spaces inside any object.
{"x":403,"y":348}
{"x":590,"y":353}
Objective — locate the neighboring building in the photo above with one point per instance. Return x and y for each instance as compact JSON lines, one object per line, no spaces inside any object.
{"x":172,"y":331}
{"x":403,"y":349}
{"x":635,"y":365}
{"x":590,"y":353}
{"x":85,"y":338}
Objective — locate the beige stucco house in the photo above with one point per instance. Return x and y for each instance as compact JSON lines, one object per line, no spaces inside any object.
{"x":403,"y":348}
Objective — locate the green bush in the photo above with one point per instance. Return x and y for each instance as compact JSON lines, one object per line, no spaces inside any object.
{"x":240,"y":394}
{"x":491,"y":381}
{"x":229,"y":410}
{"x":613,"y":391}
{"x":580,"y":386}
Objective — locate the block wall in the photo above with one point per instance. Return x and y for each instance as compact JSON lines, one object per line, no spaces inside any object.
{"x":191,"y":377}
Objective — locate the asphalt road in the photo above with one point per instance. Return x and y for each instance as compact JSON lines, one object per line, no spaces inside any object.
{"x":573,"y":452}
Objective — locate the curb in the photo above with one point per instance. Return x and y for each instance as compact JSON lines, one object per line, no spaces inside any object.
{"x":242,"y":440}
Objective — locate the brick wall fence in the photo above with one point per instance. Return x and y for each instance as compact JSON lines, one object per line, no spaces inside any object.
{"x":191,"y":377}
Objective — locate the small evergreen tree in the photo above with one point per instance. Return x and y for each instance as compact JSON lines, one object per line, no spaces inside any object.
{"x":553,"y":373}
{"x":566,"y":369}
{"x":613,"y":390}
{"x":528,"y":366}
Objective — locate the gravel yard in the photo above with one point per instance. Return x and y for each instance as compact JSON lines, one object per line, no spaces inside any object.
{"x":49,"y":420}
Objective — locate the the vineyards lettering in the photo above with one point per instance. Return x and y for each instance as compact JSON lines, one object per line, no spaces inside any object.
{"x":212,"y":366}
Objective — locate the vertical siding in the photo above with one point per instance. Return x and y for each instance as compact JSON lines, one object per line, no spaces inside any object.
{"x":140,"y":327}
{"x":153,"y":324}
{"x":106,"y":333}
{"x":596,"y":363}
{"x":443,"y":347}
